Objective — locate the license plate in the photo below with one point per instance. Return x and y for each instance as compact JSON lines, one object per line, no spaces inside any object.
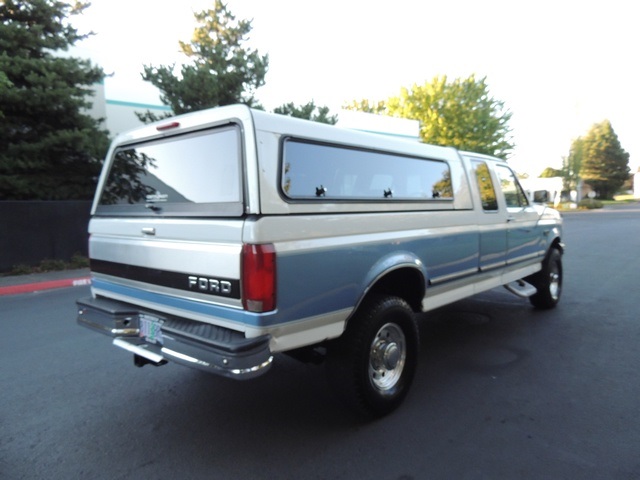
{"x":150,"y":328}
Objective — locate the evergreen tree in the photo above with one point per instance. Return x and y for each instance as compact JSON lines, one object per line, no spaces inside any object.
{"x":572,"y":165}
{"x":50,"y":148}
{"x":222,"y":71}
{"x":309,"y":112}
{"x":605,"y":164}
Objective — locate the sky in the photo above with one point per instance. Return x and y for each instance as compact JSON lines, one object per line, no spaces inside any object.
{"x":559,"y":66}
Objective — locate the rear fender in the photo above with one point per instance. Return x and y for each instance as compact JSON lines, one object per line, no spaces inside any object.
{"x":401,"y":274}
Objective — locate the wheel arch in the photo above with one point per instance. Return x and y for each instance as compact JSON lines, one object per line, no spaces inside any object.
{"x":402,"y":275}
{"x":557,"y":244}
{"x":555,"y":239}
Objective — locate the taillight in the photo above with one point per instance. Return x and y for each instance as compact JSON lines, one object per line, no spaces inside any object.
{"x":259,"y":278}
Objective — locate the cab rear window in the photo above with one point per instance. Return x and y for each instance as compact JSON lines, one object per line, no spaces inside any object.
{"x":194,"y":174}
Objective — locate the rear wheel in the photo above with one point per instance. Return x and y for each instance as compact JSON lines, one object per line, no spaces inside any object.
{"x":372,"y":364}
{"x":548,"y":282}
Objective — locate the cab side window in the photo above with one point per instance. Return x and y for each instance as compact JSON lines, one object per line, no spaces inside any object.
{"x":485,"y":185}
{"x":513,"y":193}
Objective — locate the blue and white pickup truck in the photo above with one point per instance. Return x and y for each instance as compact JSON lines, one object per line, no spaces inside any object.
{"x":222,"y":237}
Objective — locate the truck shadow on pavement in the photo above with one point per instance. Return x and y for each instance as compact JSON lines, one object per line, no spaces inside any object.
{"x":207,"y":419}
{"x":473,"y":336}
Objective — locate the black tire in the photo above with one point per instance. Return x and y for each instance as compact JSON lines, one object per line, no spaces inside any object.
{"x":548,"y":282}
{"x":371,"y":366}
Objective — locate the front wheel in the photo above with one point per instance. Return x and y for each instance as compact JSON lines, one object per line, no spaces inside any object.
{"x":548,"y":282}
{"x":372,"y":365}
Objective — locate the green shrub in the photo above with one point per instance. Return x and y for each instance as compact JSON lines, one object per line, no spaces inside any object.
{"x":49,"y":265}
{"x":79,"y":261}
{"x":20,"y":269}
{"x":589,"y":203}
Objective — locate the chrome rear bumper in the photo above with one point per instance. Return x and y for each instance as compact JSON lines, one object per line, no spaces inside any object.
{"x":194,"y":344}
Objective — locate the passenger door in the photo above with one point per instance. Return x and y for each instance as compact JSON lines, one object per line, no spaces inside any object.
{"x":523,"y":237}
{"x":492,"y":229}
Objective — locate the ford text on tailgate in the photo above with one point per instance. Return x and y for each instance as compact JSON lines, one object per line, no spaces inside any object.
{"x":223,"y":237}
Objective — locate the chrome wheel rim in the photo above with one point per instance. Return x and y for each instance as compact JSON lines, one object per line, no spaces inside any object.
{"x":554,"y":283}
{"x":387,"y":357}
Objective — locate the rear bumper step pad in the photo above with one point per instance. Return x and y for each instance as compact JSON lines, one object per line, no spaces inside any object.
{"x":195,"y":344}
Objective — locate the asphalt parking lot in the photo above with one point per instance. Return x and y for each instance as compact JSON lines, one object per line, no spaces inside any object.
{"x":502,"y":391}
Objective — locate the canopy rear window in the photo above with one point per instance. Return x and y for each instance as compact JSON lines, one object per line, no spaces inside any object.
{"x":325,"y":172}
{"x":195,"y":174}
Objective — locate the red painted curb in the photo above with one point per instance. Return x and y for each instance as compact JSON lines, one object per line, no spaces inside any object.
{"x":36,"y":287}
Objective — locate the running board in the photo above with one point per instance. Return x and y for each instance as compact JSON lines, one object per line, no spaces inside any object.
{"x":521,"y":288}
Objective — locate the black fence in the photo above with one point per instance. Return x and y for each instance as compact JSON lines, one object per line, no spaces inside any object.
{"x":34,"y":231}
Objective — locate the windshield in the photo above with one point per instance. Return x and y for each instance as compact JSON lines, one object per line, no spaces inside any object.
{"x":193,"y":174}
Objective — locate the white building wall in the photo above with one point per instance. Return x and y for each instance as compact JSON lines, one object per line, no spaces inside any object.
{"x":121,"y":115}
{"x":117,"y":115}
{"x":553,"y":187}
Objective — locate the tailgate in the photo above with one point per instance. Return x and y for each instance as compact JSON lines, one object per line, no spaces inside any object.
{"x":151,"y":261}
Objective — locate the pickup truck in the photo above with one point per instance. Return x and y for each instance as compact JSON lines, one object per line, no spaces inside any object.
{"x":221,"y":238}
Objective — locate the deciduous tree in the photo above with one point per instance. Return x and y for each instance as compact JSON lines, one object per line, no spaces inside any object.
{"x":550,"y":172}
{"x":459,"y":113}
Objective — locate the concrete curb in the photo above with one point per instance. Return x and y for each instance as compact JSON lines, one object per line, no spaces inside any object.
{"x":45,"y":285}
